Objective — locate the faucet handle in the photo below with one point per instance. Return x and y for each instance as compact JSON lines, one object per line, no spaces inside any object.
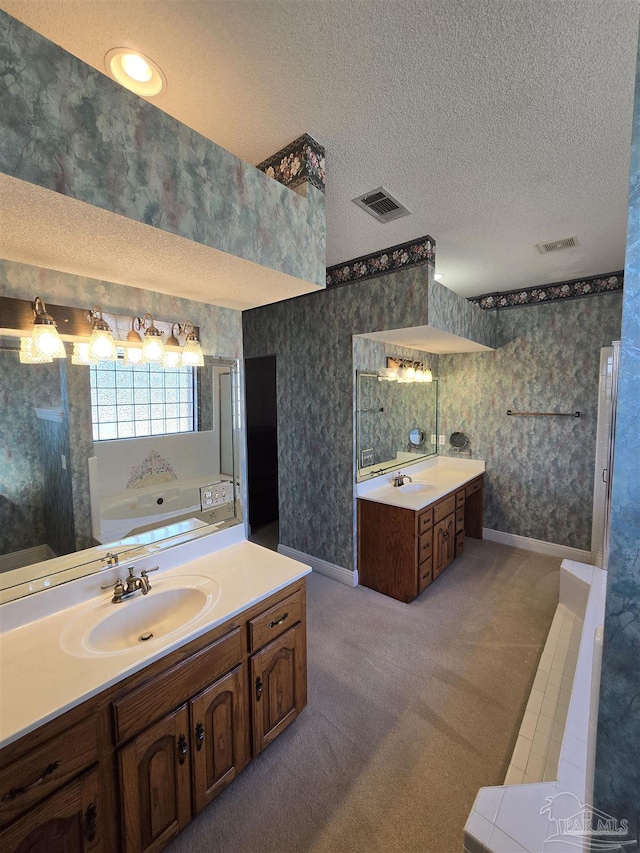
{"x":111,"y":585}
{"x":145,"y":572}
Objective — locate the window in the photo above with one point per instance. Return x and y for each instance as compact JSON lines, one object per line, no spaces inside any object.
{"x":129,"y":401}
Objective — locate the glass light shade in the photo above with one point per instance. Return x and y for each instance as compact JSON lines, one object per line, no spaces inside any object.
{"x":45,"y":341}
{"x":172,"y":358}
{"x":136,"y":67}
{"x":428,"y":375}
{"x":419,"y":377}
{"x":27,"y":355}
{"x":133,"y":355}
{"x":400,"y":375}
{"x":192,"y":354}
{"x":102,"y":347}
{"x":80,"y":354}
{"x":152,"y":349}
{"x":410,"y":374}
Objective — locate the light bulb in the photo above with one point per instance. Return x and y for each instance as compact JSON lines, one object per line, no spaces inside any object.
{"x":136,"y":67}
{"x":46,"y":342}
{"x":102,"y":347}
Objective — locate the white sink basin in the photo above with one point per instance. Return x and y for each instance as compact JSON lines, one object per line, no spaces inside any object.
{"x":416,"y":488}
{"x":170,"y":607}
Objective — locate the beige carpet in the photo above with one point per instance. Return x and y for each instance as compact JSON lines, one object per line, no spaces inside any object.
{"x":412,"y":708}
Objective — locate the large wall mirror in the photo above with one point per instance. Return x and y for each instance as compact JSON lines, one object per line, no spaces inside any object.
{"x":110,"y":459}
{"x":394,"y":423}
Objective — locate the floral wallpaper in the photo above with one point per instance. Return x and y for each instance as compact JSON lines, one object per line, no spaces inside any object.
{"x":404,"y":256}
{"x":539,"y":480}
{"x":551,"y":292}
{"x":303,"y":160}
{"x":71,"y":129}
{"x":617,"y":780}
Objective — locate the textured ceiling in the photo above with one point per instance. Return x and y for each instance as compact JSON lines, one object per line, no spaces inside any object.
{"x":499,"y":123}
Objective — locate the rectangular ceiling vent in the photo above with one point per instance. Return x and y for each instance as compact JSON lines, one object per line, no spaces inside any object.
{"x":555,"y":245}
{"x":381,"y":205}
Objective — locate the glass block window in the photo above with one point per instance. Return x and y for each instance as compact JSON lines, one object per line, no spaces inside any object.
{"x":133,"y":400}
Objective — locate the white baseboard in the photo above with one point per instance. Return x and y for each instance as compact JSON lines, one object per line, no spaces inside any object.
{"x":337,"y":573}
{"x":537,"y":545}
{"x":18,"y":559}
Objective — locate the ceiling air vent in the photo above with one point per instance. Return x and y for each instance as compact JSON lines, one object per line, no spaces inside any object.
{"x":381,"y":205}
{"x":555,"y":245}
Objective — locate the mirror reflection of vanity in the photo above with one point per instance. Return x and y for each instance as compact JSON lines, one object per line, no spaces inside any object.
{"x":74,"y":491}
{"x":394,"y":423}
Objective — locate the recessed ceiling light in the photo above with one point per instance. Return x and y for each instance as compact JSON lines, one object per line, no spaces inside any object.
{"x":438,"y":276}
{"x":135,"y":72}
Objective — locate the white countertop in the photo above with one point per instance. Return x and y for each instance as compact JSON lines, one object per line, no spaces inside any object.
{"x":444,"y":474}
{"x":39,"y":680}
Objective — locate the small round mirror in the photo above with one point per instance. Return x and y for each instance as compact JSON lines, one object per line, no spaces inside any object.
{"x":416,"y":437}
{"x":458,"y":440}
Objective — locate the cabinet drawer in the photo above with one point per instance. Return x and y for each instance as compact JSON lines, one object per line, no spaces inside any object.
{"x":425,"y":542}
{"x":425,"y":520}
{"x":275,"y":621}
{"x":473,"y":487}
{"x":425,"y":575}
{"x":444,"y":508}
{"x":459,"y":520}
{"x":460,"y":498}
{"x":41,"y":771}
{"x":162,"y":694}
{"x":459,"y":543}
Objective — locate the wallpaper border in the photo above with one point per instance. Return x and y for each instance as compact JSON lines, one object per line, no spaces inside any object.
{"x":413,"y":253}
{"x":303,"y":160}
{"x":576,"y":288}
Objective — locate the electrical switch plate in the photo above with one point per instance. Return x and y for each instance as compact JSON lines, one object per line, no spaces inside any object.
{"x":440,"y":439}
{"x":63,"y":461}
{"x":434,"y":439}
{"x":366,"y":457}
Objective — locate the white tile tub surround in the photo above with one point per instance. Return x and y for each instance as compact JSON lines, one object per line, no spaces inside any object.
{"x":555,"y":749}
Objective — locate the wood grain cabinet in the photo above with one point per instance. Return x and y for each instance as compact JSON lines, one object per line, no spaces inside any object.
{"x":128,"y":769}
{"x":401,"y":551}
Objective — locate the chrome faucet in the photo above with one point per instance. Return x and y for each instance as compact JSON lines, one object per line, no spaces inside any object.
{"x":398,"y":479}
{"x":123,"y":590}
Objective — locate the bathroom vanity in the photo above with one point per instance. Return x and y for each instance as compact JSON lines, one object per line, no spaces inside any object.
{"x":107,"y":747}
{"x":408,"y":535}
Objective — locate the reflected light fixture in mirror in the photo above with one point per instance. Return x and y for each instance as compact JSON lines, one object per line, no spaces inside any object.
{"x":102,"y":347}
{"x":45,"y":340}
{"x":172,"y":354}
{"x":153,"y":345}
{"x":133,"y":349}
{"x":192,"y":351}
{"x":80,"y":353}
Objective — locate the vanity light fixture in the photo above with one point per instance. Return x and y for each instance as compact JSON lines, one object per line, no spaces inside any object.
{"x":438,"y":276}
{"x":172,"y":354}
{"x":27,"y":355}
{"x":135,"y":72}
{"x":192,"y":351}
{"x":45,"y":340}
{"x":153,"y":345}
{"x":102,"y":347}
{"x":133,"y":349}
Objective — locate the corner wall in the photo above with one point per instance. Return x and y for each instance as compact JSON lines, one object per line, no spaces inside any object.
{"x":539,"y":479}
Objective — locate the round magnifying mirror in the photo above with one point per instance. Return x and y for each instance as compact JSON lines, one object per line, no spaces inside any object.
{"x":458,"y":440}
{"x":416,"y":437}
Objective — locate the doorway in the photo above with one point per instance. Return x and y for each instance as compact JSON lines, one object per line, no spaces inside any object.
{"x":262,"y":450}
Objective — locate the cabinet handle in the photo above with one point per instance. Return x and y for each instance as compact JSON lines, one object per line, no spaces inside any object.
{"x":259,"y":688}
{"x":14,"y":793}
{"x":182,"y":749}
{"x":199,"y":735}
{"x":90,"y":822}
{"x":278,"y":621}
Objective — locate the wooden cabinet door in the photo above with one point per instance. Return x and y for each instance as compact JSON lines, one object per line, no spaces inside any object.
{"x":450,"y":539}
{"x":218,"y":736}
{"x":439,"y":547}
{"x":155,"y":784}
{"x":278,"y":685}
{"x":67,"y":822}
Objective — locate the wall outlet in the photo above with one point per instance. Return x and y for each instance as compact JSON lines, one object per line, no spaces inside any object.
{"x":434,"y":439}
{"x":366,"y":457}
{"x":441,"y":439}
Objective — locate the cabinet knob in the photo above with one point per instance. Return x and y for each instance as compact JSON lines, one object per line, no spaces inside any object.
{"x":278,"y":621}
{"x":199,"y":735}
{"x":14,"y":793}
{"x":182,"y":749}
{"x":259,"y":688}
